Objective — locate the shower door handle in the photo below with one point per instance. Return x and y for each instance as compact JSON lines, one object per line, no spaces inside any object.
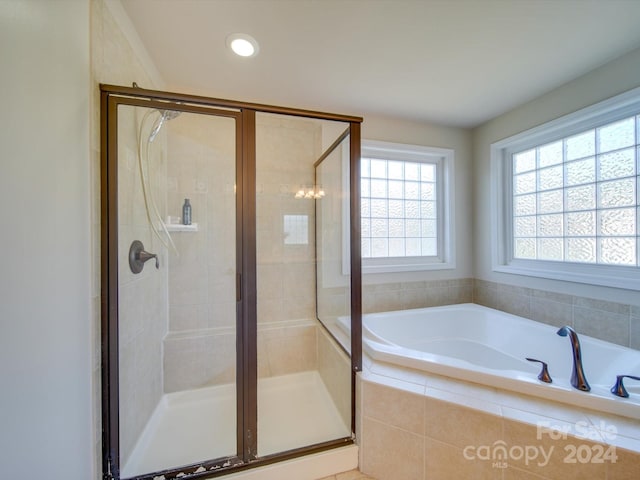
{"x":138,"y":256}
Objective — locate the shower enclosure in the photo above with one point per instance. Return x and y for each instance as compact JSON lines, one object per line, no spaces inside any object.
{"x":215,"y":351}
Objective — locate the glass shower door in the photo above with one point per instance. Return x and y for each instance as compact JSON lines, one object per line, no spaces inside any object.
{"x":176,"y":288}
{"x":297,"y":362}
{"x":214,"y":355}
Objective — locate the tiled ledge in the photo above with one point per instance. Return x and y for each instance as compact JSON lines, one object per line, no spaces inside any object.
{"x":443,"y":415}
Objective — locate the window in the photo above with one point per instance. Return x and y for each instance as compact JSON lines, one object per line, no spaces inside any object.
{"x":406,"y":211}
{"x":567,"y":197}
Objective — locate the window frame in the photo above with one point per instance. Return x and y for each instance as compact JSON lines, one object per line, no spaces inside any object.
{"x":608,"y":111}
{"x":444,"y":159}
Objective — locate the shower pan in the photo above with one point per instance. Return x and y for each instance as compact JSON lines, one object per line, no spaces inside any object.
{"x":215,"y":353}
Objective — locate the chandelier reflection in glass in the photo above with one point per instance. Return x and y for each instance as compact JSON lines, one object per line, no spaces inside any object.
{"x":314,"y":192}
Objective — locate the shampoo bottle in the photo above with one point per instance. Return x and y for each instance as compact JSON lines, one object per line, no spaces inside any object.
{"x":186,"y":212}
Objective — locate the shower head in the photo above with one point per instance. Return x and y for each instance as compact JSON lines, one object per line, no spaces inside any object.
{"x":169,"y":114}
{"x":164,"y":116}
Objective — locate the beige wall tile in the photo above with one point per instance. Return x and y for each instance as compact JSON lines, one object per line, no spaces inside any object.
{"x":634,"y":332}
{"x":460,"y":426}
{"x":612,"y":327}
{"x":592,"y":303}
{"x":483,"y":295}
{"x":334,"y":367}
{"x":395,"y":407}
{"x":626,"y":466}
{"x":444,"y":461}
{"x":391,"y":453}
{"x":199,"y":360}
{"x":514,"y":303}
{"x":558,"y":466}
{"x":551,"y":312}
{"x":381,"y":301}
{"x":513,"y":473}
{"x":289,"y":350}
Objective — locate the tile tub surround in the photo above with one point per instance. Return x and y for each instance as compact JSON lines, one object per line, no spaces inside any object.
{"x":611,"y":321}
{"x":413,"y":425}
{"x":614,"y":322}
{"x":405,"y":295}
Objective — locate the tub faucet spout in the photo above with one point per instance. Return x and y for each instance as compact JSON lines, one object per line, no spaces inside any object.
{"x":578,"y":380}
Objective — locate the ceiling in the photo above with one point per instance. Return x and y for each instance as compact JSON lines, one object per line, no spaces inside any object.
{"x":455,"y":62}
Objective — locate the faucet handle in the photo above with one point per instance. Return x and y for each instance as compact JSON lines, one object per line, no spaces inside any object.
{"x":618,"y":389}
{"x":544,"y":373}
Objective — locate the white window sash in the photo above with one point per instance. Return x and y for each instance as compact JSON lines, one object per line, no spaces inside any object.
{"x":608,"y":111}
{"x":444,"y":159}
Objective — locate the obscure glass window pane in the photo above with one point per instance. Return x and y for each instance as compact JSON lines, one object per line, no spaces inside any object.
{"x":617,"y":222}
{"x":411,"y":171}
{"x":617,"y":194}
{"x":396,"y":208}
{"x":580,"y":171}
{"x":550,"y":249}
{"x":399,"y":208}
{"x":412,"y":228}
{"x":576,"y":199}
{"x":580,"y":224}
{"x":550,"y":225}
{"x":580,"y":146}
{"x":525,"y":248}
{"x":379,"y":188}
{"x":524,"y":162}
{"x":429,"y":247}
{"x":379,"y":247}
{"x":617,"y":164}
{"x":618,"y":250}
{"x":427,"y":172}
{"x":396,"y":228}
{"x":378,"y":168}
{"x":550,"y":202}
{"x":395,"y":189}
{"x":396,"y":171}
{"x":396,"y":247}
{"x":525,"y":226}
{"x":525,"y":183}
{"x":549,"y":178}
{"x":411,"y":190}
{"x":550,"y":154}
{"x":581,"y":250}
{"x":616,"y":135}
{"x":580,"y":198}
{"x":525,"y":205}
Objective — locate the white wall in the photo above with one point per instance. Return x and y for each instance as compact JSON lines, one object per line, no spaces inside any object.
{"x":403,"y":131}
{"x":45,"y":337}
{"x":616,"y":77}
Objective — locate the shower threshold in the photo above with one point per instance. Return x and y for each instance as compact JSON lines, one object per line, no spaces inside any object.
{"x":191,"y":426}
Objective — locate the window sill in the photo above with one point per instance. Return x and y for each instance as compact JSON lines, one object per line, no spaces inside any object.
{"x":414,"y":267}
{"x":625,"y":278}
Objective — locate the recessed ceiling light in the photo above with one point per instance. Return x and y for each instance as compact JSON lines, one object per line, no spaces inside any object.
{"x":243,"y":44}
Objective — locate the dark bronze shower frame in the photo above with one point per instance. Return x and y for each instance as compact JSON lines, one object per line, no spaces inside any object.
{"x":246,"y":315}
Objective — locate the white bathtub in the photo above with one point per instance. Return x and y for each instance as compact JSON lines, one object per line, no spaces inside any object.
{"x":478,"y":344}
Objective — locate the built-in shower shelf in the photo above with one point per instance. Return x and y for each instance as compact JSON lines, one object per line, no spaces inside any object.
{"x":178,"y":227}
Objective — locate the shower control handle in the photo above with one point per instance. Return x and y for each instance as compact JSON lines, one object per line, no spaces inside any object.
{"x":138,"y":256}
{"x":544,"y":373}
